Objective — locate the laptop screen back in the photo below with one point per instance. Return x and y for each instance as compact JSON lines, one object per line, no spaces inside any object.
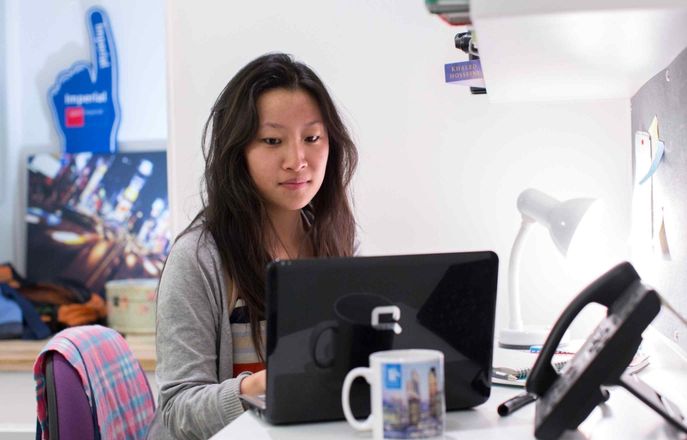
{"x":320,"y":326}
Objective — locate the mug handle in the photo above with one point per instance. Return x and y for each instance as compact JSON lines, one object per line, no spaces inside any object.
{"x":366,"y":373}
{"x":395,"y":313}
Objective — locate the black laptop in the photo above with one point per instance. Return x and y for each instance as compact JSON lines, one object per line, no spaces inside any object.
{"x":325,"y":316}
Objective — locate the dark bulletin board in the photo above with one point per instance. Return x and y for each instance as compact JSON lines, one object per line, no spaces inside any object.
{"x":665,"y":97}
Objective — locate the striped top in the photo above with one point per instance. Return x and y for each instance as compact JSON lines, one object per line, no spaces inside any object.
{"x":245,"y":356}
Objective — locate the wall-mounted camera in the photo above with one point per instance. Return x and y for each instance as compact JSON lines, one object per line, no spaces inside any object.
{"x":465,"y":42}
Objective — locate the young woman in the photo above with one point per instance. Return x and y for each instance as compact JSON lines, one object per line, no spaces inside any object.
{"x":278,"y":164}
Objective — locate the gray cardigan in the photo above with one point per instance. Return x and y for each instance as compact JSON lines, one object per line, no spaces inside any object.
{"x":198,"y":395}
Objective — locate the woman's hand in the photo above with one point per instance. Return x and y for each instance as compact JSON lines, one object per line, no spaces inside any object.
{"x":254,"y":384}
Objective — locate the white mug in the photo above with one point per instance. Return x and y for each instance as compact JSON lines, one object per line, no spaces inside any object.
{"x":406,"y":394}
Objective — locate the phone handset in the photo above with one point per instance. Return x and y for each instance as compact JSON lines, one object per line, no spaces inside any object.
{"x":605,"y":291}
{"x":564,"y":400}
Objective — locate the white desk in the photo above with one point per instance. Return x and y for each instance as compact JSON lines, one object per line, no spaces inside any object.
{"x":622,"y":417}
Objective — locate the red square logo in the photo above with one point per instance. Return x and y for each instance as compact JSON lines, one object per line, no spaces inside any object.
{"x":74,"y":117}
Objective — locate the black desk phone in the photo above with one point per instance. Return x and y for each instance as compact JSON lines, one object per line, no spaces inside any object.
{"x":564,"y":400}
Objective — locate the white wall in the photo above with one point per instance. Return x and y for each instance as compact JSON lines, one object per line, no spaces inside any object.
{"x":4,"y":222}
{"x":440,"y":170}
{"x":3,"y":111}
{"x":42,"y":39}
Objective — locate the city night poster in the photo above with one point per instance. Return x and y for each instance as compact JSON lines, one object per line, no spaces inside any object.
{"x":93,"y":218}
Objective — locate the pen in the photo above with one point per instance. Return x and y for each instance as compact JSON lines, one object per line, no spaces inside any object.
{"x":504,"y":374}
{"x":515,"y":403}
{"x":559,"y":350}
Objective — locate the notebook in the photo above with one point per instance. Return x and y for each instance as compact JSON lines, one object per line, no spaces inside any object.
{"x":519,"y":368}
{"x":320,"y":325}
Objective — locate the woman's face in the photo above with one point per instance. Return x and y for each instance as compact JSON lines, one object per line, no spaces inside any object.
{"x":288,"y":157}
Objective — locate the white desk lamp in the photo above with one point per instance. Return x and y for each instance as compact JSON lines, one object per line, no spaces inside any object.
{"x":561,"y":219}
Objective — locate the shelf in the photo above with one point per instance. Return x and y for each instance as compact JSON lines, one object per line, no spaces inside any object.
{"x":552,"y":50}
{"x":20,"y":355}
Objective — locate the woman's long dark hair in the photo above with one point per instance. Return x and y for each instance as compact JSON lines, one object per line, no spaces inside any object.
{"x":233,"y":211}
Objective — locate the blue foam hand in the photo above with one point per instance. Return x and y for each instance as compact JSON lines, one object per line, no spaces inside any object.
{"x":84,"y":98}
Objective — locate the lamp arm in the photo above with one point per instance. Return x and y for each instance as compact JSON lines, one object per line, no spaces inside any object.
{"x":515,"y":314}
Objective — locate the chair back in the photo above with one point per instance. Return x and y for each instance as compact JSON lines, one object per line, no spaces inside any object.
{"x":89,"y":385}
{"x":69,"y":412}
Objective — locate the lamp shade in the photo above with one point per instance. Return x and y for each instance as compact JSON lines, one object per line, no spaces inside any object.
{"x":560,"y":218}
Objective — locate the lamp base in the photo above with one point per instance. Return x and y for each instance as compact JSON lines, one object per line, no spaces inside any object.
{"x":525,"y":338}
